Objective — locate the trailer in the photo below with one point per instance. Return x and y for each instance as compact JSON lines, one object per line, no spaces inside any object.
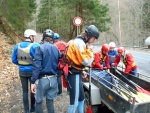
{"x":102,"y":95}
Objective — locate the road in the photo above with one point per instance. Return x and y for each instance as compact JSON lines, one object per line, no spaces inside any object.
{"x":142,"y":59}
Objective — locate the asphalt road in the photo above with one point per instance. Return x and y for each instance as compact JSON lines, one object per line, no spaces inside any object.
{"x":142,"y":59}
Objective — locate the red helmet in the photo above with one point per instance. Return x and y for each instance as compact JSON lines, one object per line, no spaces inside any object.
{"x":121,"y":49}
{"x":105,"y":47}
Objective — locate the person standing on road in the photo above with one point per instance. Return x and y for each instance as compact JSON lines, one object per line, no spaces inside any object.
{"x":128,"y":60}
{"x":79,"y":56}
{"x":45,"y":67}
{"x":22,"y":56}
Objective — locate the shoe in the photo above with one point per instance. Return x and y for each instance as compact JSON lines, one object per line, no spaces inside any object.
{"x":32,"y":109}
{"x":59,"y":94}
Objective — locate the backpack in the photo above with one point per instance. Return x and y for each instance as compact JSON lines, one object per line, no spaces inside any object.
{"x":63,"y":62}
{"x":62,"y":47}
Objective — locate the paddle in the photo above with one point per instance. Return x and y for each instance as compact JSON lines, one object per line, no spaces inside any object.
{"x":132,"y":91}
{"x":119,"y":90}
{"x":134,"y":85}
{"x":123,"y":84}
{"x":89,"y":109}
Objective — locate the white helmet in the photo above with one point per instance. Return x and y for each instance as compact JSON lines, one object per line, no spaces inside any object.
{"x":29,"y":32}
{"x":147,"y":41}
{"x":112,"y":44}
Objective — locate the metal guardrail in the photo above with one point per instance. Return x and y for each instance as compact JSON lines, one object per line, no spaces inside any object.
{"x":136,"y":47}
{"x":127,"y":46}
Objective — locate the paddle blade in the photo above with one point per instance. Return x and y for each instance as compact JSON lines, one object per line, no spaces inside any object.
{"x":143,"y":90}
{"x":89,"y":109}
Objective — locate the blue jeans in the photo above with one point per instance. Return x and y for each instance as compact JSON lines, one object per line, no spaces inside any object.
{"x":46,"y":87}
{"x":25,"y":78}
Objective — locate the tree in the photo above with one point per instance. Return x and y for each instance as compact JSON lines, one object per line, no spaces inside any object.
{"x":17,"y":12}
{"x":58,"y":15}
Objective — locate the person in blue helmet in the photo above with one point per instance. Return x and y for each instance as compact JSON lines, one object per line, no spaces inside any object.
{"x":44,"y":76}
{"x":22,"y":56}
{"x":56,"y":37}
{"x":61,"y":47}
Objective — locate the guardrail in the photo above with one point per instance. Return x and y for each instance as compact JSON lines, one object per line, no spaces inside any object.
{"x":135,"y":47}
{"x":127,"y":46}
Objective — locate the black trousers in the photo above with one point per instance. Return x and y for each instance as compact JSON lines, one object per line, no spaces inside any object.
{"x":25,"y":78}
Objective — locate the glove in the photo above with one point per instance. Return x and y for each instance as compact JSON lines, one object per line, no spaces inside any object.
{"x":86,"y":69}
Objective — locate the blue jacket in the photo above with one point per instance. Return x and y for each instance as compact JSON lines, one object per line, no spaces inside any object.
{"x":23,"y":44}
{"x":45,"y":61}
{"x":113,"y":53}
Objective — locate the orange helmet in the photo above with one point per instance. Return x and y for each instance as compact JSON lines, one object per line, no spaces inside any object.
{"x":105,"y":47}
{"x":121,"y":49}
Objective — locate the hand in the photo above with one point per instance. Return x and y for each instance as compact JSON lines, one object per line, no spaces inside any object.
{"x":90,"y":46}
{"x":105,"y":68}
{"x":33,"y":88}
{"x":113,"y":64}
{"x":84,"y":74}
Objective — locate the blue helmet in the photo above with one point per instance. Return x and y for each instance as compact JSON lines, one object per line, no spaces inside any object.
{"x":56,"y":36}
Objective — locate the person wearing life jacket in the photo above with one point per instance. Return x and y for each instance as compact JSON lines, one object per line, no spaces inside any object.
{"x":22,"y":56}
{"x":112,"y":53}
{"x":101,"y":59}
{"x":61,"y":47}
{"x":79,"y":56}
{"x":128,"y":60}
{"x":45,"y":67}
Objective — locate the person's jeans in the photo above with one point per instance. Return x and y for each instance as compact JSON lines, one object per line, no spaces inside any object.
{"x":46,"y":87}
{"x":25,"y":77}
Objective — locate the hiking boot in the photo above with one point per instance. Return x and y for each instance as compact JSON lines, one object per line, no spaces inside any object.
{"x":59,"y":94}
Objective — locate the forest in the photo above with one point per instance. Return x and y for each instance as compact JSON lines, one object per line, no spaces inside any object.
{"x":126,"y":22}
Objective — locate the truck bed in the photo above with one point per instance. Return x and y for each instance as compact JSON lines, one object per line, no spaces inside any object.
{"x":117,"y":103}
